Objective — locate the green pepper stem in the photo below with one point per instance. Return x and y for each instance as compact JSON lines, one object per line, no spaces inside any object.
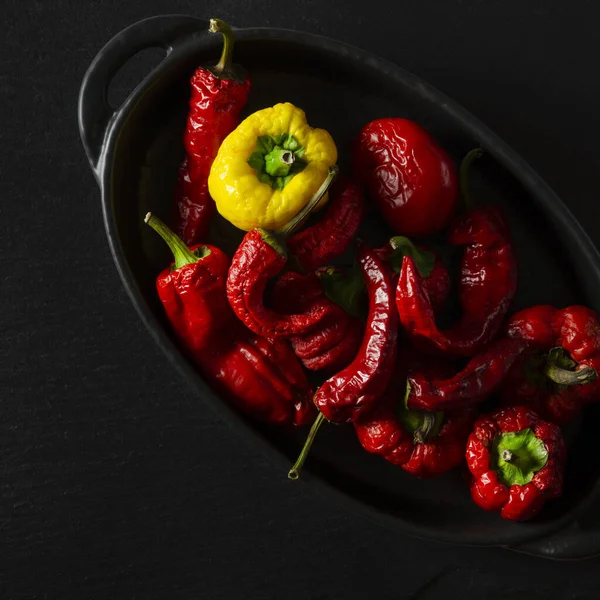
{"x":294,"y":472}
{"x":279,"y":161}
{"x":566,"y":377}
{"x":225,"y":62}
{"x":182,"y":254}
{"x":465,"y":167}
{"x":298,"y":219}
{"x":423,"y":432}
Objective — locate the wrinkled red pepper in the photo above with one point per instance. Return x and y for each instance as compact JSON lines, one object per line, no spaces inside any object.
{"x":335,"y":343}
{"x":327,"y":239}
{"x":488,"y":282}
{"x":263,"y":378}
{"x":412,"y":179}
{"x":426,"y":444}
{"x":436,"y":279}
{"x":260,"y":257}
{"x":517,"y":461}
{"x":559,"y":374}
{"x":481,"y":377}
{"x":219,"y":94}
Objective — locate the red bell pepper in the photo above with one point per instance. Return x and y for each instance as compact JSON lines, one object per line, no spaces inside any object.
{"x":517,"y":461}
{"x":559,"y":374}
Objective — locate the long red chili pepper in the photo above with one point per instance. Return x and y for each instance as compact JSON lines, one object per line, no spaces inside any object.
{"x":488,"y":281}
{"x":348,"y":394}
{"x":219,"y":94}
{"x":261,"y":256}
{"x":327,"y":239}
{"x":263,"y":378}
{"x":480,"y":378}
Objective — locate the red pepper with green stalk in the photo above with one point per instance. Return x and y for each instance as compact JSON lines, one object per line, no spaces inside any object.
{"x":559,"y":374}
{"x":218,"y":96}
{"x":335,"y":343}
{"x":347,"y":395}
{"x":263,"y":378}
{"x":261,"y":256}
{"x":517,"y":461}
{"x":409,"y":176}
{"x":423,"y":443}
{"x":488,"y":282}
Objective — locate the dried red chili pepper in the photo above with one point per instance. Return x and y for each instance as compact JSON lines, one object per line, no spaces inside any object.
{"x":488,"y":282}
{"x":219,"y":94}
{"x":436,"y":279}
{"x":517,"y":461}
{"x":261,"y":256}
{"x":412,"y":179}
{"x":426,"y":444}
{"x":480,"y":378}
{"x":354,"y":390}
{"x":559,"y":374}
{"x":263,"y":378}
{"x":327,"y":239}
{"x":335,"y":343}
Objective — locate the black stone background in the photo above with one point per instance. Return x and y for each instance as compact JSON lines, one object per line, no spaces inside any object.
{"x":115,"y":481}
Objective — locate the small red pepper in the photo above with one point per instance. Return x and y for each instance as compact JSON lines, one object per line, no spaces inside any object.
{"x":412,"y":179}
{"x":261,"y":256}
{"x":488,"y":282}
{"x":426,"y":444}
{"x":327,"y":239}
{"x":559,"y":374}
{"x":263,"y":378}
{"x":517,"y":461}
{"x":436,"y":279}
{"x":335,"y":343}
{"x":473,"y":384}
{"x":219,"y":94}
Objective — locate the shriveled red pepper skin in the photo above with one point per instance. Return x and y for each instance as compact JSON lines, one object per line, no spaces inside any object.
{"x":263,"y":378}
{"x":412,"y":180}
{"x":336,"y":341}
{"x":215,"y":107}
{"x":473,"y":384}
{"x":381,"y":432}
{"x":517,"y":502}
{"x":327,"y":239}
{"x":437,"y":285}
{"x":355,"y":389}
{"x":254,"y":263}
{"x":574,"y":328}
{"x":488,"y":282}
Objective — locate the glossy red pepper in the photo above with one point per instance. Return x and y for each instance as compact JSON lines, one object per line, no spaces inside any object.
{"x":335,"y":343}
{"x":260,"y":257}
{"x":327,"y":239}
{"x":352,"y":391}
{"x":436,"y":279}
{"x":263,"y":378}
{"x":473,"y":384}
{"x":559,"y":374}
{"x":517,"y":461}
{"x":426,"y":444}
{"x":218,"y":96}
{"x":412,"y":179}
{"x":488,"y":282}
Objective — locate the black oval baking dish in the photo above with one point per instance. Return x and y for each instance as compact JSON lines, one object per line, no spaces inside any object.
{"x":135,"y":149}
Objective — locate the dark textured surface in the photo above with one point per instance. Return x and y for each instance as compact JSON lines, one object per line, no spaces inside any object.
{"x":114,"y":480}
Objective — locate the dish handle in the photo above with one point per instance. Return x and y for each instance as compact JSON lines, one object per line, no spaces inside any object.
{"x":94,"y":111}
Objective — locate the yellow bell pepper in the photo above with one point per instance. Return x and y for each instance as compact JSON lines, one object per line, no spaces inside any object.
{"x":268,"y":168}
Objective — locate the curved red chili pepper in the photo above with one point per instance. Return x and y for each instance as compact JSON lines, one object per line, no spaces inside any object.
{"x":327,"y":239}
{"x":489,"y":490}
{"x":480,"y":378}
{"x":350,"y":392}
{"x":218,"y":96}
{"x":559,"y":373}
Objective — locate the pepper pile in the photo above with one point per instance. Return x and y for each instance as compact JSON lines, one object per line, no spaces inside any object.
{"x":302,"y":295}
